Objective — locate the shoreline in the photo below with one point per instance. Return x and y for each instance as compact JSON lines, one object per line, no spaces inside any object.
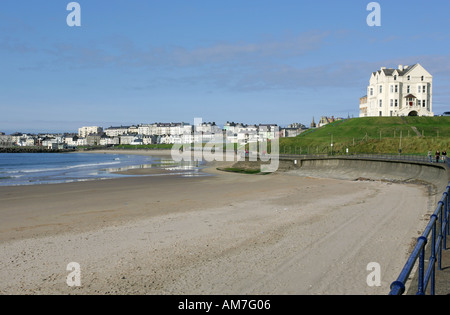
{"x":161,"y":152}
{"x":210,"y":167}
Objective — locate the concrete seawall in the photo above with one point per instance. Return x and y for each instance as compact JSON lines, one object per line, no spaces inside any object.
{"x":358,"y":168}
{"x":435,"y":176}
{"x":371,"y":169}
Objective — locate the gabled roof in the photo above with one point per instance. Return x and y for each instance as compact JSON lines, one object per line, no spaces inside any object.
{"x":410,"y":96}
{"x":390,"y":72}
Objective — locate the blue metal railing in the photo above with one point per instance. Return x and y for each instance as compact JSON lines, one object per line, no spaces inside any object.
{"x":439,"y":228}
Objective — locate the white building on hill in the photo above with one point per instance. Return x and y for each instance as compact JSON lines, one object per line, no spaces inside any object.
{"x":406,"y":91}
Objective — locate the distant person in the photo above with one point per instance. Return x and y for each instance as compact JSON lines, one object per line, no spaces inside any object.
{"x":444,"y":156}
{"x":438,"y":156}
{"x":429,"y":156}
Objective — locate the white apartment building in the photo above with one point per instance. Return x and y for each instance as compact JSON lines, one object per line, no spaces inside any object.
{"x":160,"y":129}
{"x":117,"y":131}
{"x":233,"y":128}
{"x":71,"y":140}
{"x":105,"y":141}
{"x":208,"y":128}
{"x":83,"y":132}
{"x":406,"y":91}
{"x":82,"y":142}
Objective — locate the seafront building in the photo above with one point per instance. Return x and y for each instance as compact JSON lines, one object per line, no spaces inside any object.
{"x":405,"y":91}
{"x":117,"y":131}
{"x":83,"y":132}
{"x":160,"y":129}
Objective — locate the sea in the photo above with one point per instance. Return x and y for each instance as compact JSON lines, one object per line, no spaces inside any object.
{"x":18,"y":169}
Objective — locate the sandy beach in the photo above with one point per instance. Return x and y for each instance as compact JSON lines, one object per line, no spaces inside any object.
{"x":222,"y":234}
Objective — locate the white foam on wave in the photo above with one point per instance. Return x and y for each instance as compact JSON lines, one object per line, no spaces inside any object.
{"x":62,"y":168}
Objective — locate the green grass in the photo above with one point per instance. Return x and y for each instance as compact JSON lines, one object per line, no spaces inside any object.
{"x":242,"y":171}
{"x":374,"y":135}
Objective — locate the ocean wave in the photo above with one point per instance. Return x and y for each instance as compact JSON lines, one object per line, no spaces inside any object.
{"x":62,"y":168}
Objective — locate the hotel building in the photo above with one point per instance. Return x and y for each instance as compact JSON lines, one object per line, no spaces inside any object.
{"x":406,"y":91}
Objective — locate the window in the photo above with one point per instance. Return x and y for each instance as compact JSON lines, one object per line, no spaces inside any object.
{"x":392,"y":113}
{"x":392,"y":103}
{"x":381,"y":113}
{"x":418,"y":89}
{"x":418,"y":102}
{"x":422,"y":78}
{"x":392,"y":89}
{"x":396,"y":89}
{"x":424,"y":89}
{"x":409,"y":77}
{"x":408,"y":89}
{"x":395,"y":78}
{"x":381,"y":89}
{"x":381,"y":103}
{"x":396,"y":103}
{"x":371,"y":91}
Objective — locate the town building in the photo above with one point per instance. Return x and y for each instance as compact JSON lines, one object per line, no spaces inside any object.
{"x":405,"y":91}
{"x":133,"y":130}
{"x":161,"y":129}
{"x":93,"y":139}
{"x":126,"y":139}
{"x":71,"y":140}
{"x":292,"y":130}
{"x":5,"y":141}
{"x":83,"y":132}
{"x":325,"y":120}
{"x":363,"y":106}
{"x":82,"y":142}
{"x":116,"y":131}
{"x":22,"y":139}
{"x":297,"y":126}
{"x":109,"y":141}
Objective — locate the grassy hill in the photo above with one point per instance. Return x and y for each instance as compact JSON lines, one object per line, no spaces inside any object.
{"x":414,"y":135}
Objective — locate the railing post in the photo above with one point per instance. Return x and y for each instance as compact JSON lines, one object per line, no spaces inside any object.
{"x":421,"y":290}
{"x":447,"y":207}
{"x":441,"y":237}
{"x":433,"y":254}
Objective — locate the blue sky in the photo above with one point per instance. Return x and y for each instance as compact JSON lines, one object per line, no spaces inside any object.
{"x":252,"y":61}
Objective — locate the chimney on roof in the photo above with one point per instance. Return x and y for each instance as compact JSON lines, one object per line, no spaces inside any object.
{"x":383,"y":68}
{"x":400,"y":67}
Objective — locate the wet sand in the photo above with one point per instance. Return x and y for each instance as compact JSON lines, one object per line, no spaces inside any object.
{"x":222,"y":234}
